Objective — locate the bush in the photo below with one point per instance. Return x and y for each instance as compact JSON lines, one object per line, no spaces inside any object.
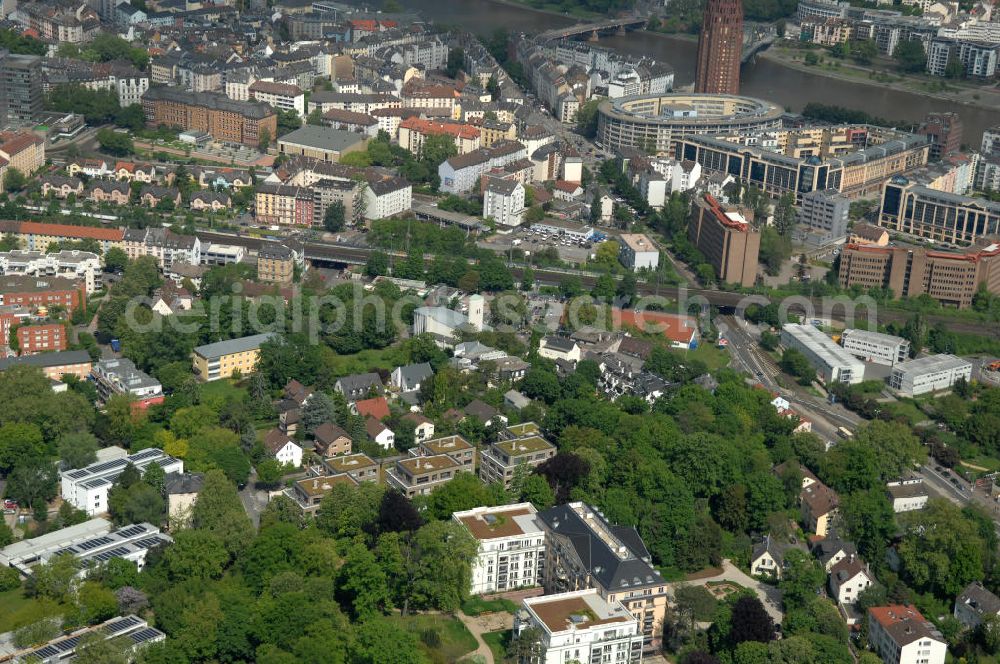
{"x":9,"y":579}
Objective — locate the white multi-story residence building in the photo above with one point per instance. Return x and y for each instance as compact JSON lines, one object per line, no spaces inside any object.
{"x":503,"y":202}
{"x":279,"y":95}
{"x":87,"y":488}
{"x":580,"y":626}
{"x":901,"y":635}
{"x":70,"y":264}
{"x":511,"y":547}
{"x":387,"y":197}
{"x":167,"y":247}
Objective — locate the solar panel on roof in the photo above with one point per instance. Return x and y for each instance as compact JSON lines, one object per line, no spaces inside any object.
{"x":116,"y":552}
{"x":46,"y":652}
{"x":93,"y":543}
{"x":67,"y":644}
{"x":131,"y":531}
{"x":144,"y":635}
{"x":106,"y":466}
{"x":119,"y":625}
{"x":148,"y":542}
{"x":77,"y":474}
{"x":145,"y":454}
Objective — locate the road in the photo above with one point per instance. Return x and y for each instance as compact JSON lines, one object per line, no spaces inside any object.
{"x":747,"y":353}
{"x":254,"y":501}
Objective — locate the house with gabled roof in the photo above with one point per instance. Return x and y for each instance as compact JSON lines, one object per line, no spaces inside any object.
{"x":330,"y":440}
{"x":380,"y":434}
{"x":359,"y":386}
{"x":423,"y":428}
{"x":411,"y":377}
{"x":832,"y":549}
{"x":768,"y":557}
{"x":974,"y":604}
{"x":819,"y":505}
{"x":849,"y":578}
{"x":376,"y":407}
{"x":282,"y":448}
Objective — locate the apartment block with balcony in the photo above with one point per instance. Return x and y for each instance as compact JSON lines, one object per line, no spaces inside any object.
{"x":511,"y":547}
{"x":580,"y":626}
{"x":457,"y":447}
{"x":359,"y":466}
{"x":419,"y":476}
{"x":584,"y":550}
{"x":500,"y":461}
{"x":224,"y":358}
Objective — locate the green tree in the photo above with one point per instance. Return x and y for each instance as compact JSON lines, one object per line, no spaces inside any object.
{"x":264,"y":139}
{"x":115,"y":143}
{"x":801,"y":579}
{"x":362,"y":583}
{"x":195,"y":555}
{"x":219,"y":511}
{"x":14,"y":181}
{"x":442,"y":555}
{"x":941,"y":550}
{"x":334,"y":217}
{"x":78,"y":449}
{"x":910,"y":55}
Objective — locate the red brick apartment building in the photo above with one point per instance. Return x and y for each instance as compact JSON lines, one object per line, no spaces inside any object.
{"x":33,"y":339}
{"x":35,"y":292}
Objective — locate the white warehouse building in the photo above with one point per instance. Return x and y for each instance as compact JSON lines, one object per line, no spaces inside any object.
{"x":876,"y":347}
{"x":928,"y":374}
{"x":87,"y":488}
{"x":581,"y":626}
{"x":511,"y":547}
{"x":833,"y":363}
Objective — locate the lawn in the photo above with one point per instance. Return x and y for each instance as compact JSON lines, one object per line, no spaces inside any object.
{"x":445,"y":639}
{"x":498,"y":642}
{"x":367,"y":360}
{"x":16,"y":610}
{"x":222,"y":391}
{"x":713,"y":357}
{"x":475,"y":606}
{"x":907,"y":408}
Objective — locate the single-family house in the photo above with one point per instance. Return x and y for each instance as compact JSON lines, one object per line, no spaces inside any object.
{"x":283,"y":448}
{"x":359,"y":386}
{"x":849,"y":578}
{"x":483,"y":412}
{"x":907,"y":494}
{"x":330,"y":440}
{"x":423,"y":428}
{"x":974,"y":604}
{"x":768,"y":557}
{"x":832,"y":549}
{"x":380,"y":433}
{"x":376,"y":407}
{"x":411,"y":377}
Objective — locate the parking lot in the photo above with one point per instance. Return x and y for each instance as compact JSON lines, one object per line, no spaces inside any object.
{"x":570,"y":249}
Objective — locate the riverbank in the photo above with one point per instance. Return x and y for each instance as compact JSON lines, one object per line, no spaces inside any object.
{"x":976,"y":97}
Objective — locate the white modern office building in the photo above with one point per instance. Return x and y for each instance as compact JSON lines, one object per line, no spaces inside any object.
{"x":928,"y":374}
{"x":87,"y":488}
{"x":511,"y":547}
{"x":581,"y":626}
{"x":833,"y":363}
{"x":875,"y":347}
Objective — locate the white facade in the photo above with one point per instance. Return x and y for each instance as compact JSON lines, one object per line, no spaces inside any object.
{"x":511,"y":547}
{"x":286,"y":101}
{"x":653,"y":187}
{"x":901,"y":635}
{"x":907,"y":495}
{"x":637,"y":251}
{"x":289,"y":455}
{"x":580,"y":626}
{"x":832,"y":363}
{"x":848,"y":579}
{"x":70,"y":264}
{"x":388,"y":199}
{"x":503,"y":202}
{"x":929,"y":374}
{"x":875,"y":347}
{"x":87,"y":488}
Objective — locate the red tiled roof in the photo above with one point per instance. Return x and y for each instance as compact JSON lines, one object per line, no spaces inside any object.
{"x":66,"y":230}
{"x":676,"y":327}
{"x":432,"y":128}
{"x":377,"y":408}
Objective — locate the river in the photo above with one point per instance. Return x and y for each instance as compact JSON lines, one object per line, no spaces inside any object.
{"x":762,"y":78}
